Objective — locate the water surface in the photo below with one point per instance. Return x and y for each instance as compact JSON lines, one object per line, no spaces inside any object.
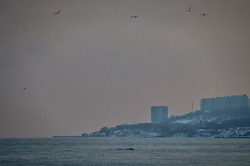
{"x":103,"y":152}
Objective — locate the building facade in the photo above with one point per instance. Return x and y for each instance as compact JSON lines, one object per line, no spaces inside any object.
{"x":235,"y":102}
{"x":159,"y":114}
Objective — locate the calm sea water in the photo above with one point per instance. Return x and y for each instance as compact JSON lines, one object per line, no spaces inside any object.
{"x":103,"y":152}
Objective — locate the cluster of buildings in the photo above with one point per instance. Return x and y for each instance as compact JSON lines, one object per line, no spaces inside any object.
{"x":182,"y":126}
{"x":159,"y":114}
{"x":235,"y":102}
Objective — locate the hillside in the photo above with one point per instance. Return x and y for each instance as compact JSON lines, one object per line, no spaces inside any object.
{"x":216,"y":123}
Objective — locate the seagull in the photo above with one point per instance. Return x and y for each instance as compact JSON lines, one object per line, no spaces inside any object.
{"x":203,"y":14}
{"x":133,"y":16}
{"x":189,"y":9}
{"x":57,"y":12}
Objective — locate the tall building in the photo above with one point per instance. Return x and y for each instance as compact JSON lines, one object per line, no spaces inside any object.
{"x":159,"y":114}
{"x":235,"y":102}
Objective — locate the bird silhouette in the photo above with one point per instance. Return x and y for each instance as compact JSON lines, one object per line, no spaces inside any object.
{"x":133,"y":16}
{"x":189,"y":9}
{"x":57,"y":12}
{"x":203,"y":14}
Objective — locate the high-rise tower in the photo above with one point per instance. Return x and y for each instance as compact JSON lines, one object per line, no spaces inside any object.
{"x":159,"y":114}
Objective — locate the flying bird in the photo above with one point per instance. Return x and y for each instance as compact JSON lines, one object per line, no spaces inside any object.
{"x":133,"y":16}
{"x":57,"y":12}
{"x":203,"y":14}
{"x":189,"y":9}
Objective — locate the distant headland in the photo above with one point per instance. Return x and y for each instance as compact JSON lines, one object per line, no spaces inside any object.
{"x":218,"y":117}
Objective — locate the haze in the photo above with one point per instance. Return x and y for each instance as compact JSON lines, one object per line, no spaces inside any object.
{"x":91,"y":65}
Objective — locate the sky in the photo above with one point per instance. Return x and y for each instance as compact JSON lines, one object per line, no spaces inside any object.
{"x":92,"y":65}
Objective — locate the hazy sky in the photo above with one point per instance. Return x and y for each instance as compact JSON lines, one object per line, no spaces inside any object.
{"x":92,"y":65}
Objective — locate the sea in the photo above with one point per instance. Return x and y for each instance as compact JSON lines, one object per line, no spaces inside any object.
{"x":109,"y":151}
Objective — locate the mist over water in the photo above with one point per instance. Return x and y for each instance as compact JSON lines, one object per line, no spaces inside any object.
{"x":103,"y":151}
